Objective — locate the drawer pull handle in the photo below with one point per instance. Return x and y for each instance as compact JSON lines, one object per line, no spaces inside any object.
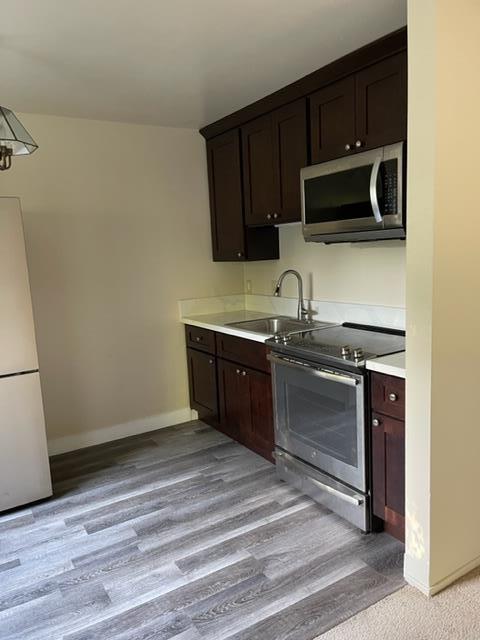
{"x":393,"y":397}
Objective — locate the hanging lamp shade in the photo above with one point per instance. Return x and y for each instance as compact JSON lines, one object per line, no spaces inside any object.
{"x":14,"y":138}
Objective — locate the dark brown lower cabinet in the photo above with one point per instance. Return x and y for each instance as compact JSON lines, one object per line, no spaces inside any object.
{"x":233,"y":395}
{"x":245,"y":400}
{"x":388,"y":459}
{"x":202,"y":378}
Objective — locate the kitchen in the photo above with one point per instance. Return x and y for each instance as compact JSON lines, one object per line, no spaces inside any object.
{"x":111,"y":281}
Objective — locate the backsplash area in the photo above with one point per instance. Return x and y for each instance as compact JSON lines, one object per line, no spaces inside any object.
{"x":371,"y":273}
{"x":330,"y":311}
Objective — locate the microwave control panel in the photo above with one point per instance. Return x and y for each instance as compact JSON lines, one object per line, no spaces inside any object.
{"x":390,"y":187}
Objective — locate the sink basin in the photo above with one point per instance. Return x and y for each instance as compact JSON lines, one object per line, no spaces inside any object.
{"x":277,"y":325}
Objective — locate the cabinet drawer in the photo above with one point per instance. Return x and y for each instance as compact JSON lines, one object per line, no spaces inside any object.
{"x":198,"y":338}
{"x":388,"y":395}
{"x":246,"y":352}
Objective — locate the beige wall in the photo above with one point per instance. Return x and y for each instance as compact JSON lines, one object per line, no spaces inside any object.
{"x":443,"y":305}
{"x":117,"y":230}
{"x":369,"y":273}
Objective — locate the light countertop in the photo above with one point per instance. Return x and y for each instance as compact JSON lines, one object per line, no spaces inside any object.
{"x":219,"y":322}
{"x":393,"y":365}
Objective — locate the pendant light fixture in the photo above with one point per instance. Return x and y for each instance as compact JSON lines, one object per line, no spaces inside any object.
{"x":14,"y":139}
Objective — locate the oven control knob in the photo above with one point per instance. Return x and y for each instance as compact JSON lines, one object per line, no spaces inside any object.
{"x":358,"y":354}
{"x":346,"y":350}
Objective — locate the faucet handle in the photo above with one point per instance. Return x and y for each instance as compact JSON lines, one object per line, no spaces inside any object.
{"x":306,"y":313}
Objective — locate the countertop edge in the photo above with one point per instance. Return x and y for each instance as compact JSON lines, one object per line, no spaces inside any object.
{"x":388,"y":369}
{"x":231,"y":331}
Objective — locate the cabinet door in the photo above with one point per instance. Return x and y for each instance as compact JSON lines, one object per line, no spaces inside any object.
{"x":202,"y":375}
{"x":233,"y":393}
{"x":290,"y":155}
{"x":226,"y":197}
{"x":332,"y":120}
{"x":388,"y":467}
{"x":259,"y":171}
{"x":381,"y":102}
{"x":259,"y":434}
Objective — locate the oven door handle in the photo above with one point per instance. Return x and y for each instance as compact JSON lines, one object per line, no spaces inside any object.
{"x":373,"y":190}
{"x":318,"y":373}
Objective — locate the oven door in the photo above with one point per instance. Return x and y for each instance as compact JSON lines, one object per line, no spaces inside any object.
{"x":320,"y":418}
{"x":358,"y":193}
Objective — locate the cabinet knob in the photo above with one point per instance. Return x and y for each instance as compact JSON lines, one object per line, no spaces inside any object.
{"x":244,"y":373}
{"x":210,"y":361}
{"x":376,"y":422}
{"x":239,"y":254}
{"x":393,"y":397}
{"x":198,"y":339}
{"x":238,"y":372}
{"x":358,"y":144}
{"x":269,"y":216}
{"x":275,"y":216}
{"x":348,"y":147}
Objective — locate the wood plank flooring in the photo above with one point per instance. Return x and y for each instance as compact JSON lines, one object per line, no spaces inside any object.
{"x":182,"y":534}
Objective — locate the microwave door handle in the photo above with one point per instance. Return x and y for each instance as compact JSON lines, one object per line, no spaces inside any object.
{"x":373,"y":190}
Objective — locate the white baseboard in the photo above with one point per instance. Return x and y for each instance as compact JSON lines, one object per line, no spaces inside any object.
{"x":431,"y":590}
{"x":115,"y":432}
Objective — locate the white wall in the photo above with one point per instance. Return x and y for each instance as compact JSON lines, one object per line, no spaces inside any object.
{"x":443,"y":302}
{"x":117,"y":230}
{"x":368,"y":273}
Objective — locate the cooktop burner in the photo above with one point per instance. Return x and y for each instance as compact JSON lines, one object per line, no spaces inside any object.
{"x":347,"y":343}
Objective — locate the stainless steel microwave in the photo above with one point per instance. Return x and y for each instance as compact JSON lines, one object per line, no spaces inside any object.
{"x":355,"y":198}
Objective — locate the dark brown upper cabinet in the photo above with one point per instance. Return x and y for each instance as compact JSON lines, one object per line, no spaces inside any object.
{"x":230,"y":240}
{"x":332,"y":120}
{"x":365,"y":110}
{"x":226,"y":204}
{"x":274,"y":150}
{"x":381,"y":97}
{"x":259,"y":171}
{"x":290,"y":155}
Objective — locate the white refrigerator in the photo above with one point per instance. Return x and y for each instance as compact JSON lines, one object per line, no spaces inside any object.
{"x":24,"y":467}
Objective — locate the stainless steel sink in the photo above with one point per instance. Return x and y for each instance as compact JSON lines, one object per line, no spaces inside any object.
{"x":277,"y":325}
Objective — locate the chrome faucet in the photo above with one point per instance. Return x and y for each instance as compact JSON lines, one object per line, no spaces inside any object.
{"x":302,"y":311}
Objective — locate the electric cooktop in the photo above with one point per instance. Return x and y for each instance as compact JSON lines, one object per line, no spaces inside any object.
{"x":349,"y":343}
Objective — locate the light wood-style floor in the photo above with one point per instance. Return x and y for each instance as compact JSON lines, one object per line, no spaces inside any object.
{"x":182,"y":534}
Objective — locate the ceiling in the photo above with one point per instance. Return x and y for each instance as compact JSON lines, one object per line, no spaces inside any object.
{"x":184,"y":63}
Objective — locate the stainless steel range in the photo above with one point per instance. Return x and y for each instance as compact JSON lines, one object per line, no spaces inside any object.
{"x":321,"y":443}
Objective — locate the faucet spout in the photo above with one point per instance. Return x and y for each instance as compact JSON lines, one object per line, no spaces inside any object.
{"x":302,"y":312}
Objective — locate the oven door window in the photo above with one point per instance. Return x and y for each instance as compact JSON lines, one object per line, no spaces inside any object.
{"x":322,"y":422}
{"x":341,"y":196}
